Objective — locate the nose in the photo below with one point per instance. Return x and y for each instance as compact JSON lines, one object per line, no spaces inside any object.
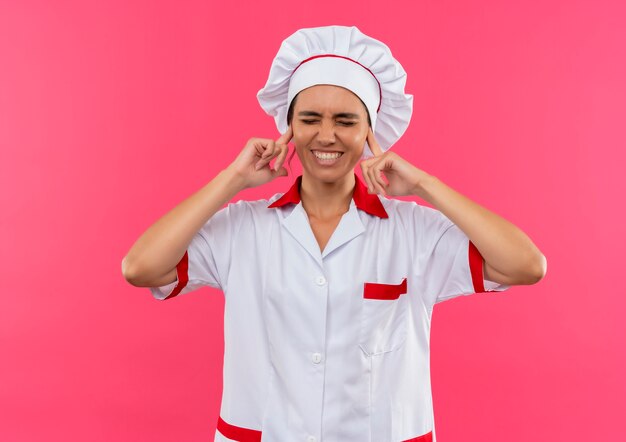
{"x":326,"y":134}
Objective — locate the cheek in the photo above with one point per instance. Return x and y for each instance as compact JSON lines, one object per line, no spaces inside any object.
{"x":358,"y":137}
{"x":298,"y":141}
{"x":301,"y":135}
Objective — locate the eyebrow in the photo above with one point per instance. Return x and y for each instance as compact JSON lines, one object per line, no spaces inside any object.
{"x":309,"y":113}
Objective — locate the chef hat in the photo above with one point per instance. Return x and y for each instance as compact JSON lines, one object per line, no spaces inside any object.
{"x":341,"y":56}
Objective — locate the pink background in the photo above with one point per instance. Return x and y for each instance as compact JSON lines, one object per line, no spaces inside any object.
{"x":112,"y":112}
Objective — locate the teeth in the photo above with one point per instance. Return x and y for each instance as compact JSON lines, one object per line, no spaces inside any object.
{"x":327,"y":156}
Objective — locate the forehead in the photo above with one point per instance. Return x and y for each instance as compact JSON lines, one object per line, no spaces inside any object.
{"x":329,"y":97}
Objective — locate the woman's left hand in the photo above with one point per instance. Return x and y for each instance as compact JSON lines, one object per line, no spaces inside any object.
{"x":403,"y":177}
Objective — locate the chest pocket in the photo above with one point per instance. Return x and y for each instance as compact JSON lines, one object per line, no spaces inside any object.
{"x":383,"y":317}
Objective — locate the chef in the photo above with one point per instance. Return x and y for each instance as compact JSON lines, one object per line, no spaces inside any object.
{"x":330,"y":285}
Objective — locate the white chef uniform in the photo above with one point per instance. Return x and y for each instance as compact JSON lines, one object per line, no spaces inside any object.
{"x":328,"y":346}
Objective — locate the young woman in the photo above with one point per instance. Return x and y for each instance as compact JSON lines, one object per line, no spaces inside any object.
{"x":330,"y":286}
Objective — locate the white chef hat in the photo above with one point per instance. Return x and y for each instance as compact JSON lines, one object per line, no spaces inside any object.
{"x":341,"y":56}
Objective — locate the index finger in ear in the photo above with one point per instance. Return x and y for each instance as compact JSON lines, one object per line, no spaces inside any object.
{"x":373,"y":144}
{"x":286,"y":137}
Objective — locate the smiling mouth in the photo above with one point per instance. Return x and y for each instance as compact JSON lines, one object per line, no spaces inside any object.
{"x":327,"y":156}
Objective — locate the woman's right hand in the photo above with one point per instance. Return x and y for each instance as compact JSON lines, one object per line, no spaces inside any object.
{"x":252,"y":163}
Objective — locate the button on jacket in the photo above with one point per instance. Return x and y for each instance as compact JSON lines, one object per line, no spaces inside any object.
{"x":332,"y":345}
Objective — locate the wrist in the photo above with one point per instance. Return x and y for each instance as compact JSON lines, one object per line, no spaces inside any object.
{"x":234,"y":178}
{"x":423,"y":185}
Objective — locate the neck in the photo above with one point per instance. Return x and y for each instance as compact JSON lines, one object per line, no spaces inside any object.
{"x":326,"y":200}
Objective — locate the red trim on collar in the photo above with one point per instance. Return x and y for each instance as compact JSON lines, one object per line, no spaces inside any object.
{"x":291,"y":196}
{"x":367,"y":202}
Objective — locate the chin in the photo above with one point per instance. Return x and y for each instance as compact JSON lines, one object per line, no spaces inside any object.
{"x":329,"y":176}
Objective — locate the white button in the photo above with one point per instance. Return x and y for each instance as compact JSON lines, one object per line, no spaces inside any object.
{"x":317,"y":357}
{"x":311,"y":439}
{"x":320,"y":280}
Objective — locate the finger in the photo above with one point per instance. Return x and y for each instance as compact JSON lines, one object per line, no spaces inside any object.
{"x":373,"y":144}
{"x":261,"y":145}
{"x":378,"y":168}
{"x":374,"y":175}
{"x":286,"y":137}
{"x":284,"y":149}
{"x":377,"y":176}
{"x":269,"y":149}
{"x":365,"y":166}
{"x":279,"y":172}
{"x":265,"y":161}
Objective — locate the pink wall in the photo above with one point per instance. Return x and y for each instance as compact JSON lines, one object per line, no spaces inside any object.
{"x":112,"y":112}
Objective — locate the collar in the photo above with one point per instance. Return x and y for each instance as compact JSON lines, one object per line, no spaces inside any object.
{"x":367,"y":202}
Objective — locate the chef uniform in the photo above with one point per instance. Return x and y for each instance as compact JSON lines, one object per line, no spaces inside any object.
{"x":332,"y":345}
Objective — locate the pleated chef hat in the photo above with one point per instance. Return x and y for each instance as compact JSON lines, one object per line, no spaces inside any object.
{"x":341,"y":56}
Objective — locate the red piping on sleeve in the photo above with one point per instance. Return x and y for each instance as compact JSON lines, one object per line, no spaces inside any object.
{"x":476,"y":268}
{"x":239,"y":434}
{"x":428,"y":437}
{"x":183,"y":276}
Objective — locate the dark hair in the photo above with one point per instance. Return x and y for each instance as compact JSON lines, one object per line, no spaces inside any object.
{"x":290,"y":111}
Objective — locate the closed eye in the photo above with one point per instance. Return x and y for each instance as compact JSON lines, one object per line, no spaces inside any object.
{"x":344,"y":123}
